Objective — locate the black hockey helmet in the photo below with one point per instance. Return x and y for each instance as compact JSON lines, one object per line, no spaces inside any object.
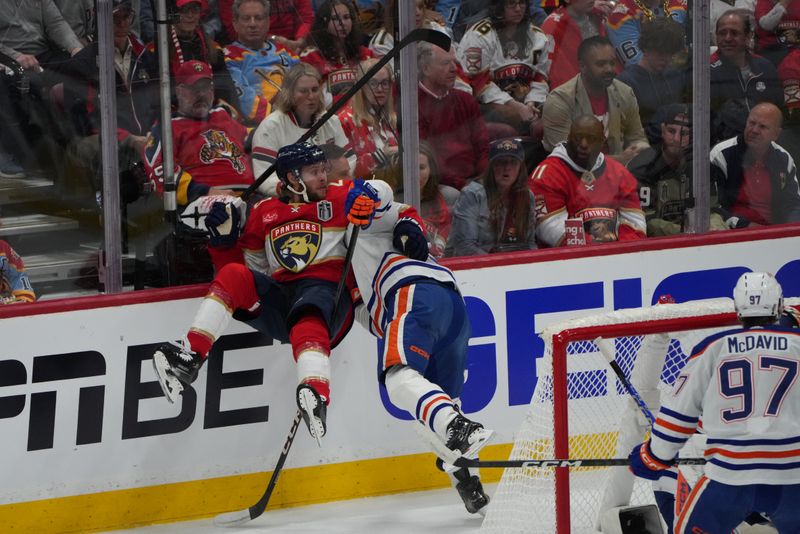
{"x":296,"y":156}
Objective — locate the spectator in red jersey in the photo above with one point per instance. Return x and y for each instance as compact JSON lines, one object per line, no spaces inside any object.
{"x":370,"y":122}
{"x":208,"y":144}
{"x":778,"y":39}
{"x":290,"y":21}
{"x":566,"y":27}
{"x":756,"y":178}
{"x":335,"y":47}
{"x":210,"y":159}
{"x":449,"y":119}
{"x":578,"y":183}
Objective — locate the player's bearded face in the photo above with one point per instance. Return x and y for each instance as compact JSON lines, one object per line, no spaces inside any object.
{"x":315,"y":178}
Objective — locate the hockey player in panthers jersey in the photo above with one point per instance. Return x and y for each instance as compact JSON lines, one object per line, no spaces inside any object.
{"x":413,"y":306}
{"x":577,"y":181}
{"x":279,"y":277}
{"x":741,"y":385}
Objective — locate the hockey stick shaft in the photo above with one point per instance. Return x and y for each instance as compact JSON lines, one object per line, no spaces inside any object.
{"x":608,"y":353}
{"x":588,"y":462}
{"x":237,"y":518}
{"x":418,"y":34}
{"x":348,"y":260}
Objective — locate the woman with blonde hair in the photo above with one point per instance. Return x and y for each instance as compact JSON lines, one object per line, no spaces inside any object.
{"x":497,"y":212}
{"x":297,"y":107}
{"x":370,"y":122}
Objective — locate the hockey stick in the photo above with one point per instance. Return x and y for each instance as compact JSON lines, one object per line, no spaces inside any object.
{"x":233,"y":519}
{"x":587,"y":462}
{"x":608,"y":353}
{"x":418,"y":34}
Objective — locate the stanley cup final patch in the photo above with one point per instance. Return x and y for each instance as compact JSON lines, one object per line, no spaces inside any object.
{"x":295,"y":244}
{"x":324,"y":210}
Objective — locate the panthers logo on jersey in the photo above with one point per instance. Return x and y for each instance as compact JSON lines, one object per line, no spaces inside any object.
{"x":295,"y":244}
{"x":217,"y":146}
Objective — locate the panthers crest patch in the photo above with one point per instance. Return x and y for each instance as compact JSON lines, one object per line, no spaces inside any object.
{"x":295,"y":244}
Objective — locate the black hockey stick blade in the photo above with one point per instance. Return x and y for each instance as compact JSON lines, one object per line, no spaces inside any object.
{"x":416,"y":35}
{"x":588,"y":462}
{"x":234,"y":519}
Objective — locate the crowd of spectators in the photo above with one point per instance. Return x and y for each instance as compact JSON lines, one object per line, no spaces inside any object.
{"x":549,"y":122}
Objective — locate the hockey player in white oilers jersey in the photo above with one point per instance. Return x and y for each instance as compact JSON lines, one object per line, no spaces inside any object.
{"x":742,"y":386}
{"x":412,"y":304}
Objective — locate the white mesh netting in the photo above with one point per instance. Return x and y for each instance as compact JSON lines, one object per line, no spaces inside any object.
{"x":601,"y":418}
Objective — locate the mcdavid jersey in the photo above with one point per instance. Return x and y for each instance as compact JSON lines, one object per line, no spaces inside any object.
{"x":291,"y":241}
{"x":743,"y":385}
{"x":379,"y":269}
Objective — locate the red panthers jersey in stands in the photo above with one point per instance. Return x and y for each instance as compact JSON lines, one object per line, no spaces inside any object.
{"x":208,"y":153}
{"x":605,"y":198}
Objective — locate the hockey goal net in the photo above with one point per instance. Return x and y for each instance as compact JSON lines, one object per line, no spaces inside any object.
{"x":580,"y":410}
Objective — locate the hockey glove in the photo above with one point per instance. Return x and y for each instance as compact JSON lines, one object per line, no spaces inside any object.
{"x":645,"y":464}
{"x":360,"y":204}
{"x":410,"y":239}
{"x":222,"y":222}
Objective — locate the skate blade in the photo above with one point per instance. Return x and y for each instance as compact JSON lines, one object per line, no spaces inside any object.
{"x":481,"y":439}
{"x":170,"y":385}
{"x":308,"y":402}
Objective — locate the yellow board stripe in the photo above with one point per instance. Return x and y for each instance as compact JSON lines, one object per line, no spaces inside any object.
{"x":206,"y":498}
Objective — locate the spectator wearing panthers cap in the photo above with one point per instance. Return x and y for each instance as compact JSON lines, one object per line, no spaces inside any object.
{"x":495,"y":213}
{"x":208,"y":143}
{"x":208,"y":148}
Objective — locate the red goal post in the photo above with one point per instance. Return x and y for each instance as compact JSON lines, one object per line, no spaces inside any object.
{"x":580,"y":410}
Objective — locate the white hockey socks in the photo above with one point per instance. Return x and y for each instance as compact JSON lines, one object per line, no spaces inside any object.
{"x":426,"y":401}
{"x":314,"y":368}
{"x":209,"y":322}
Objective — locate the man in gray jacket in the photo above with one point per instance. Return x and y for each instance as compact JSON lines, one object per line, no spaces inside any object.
{"x":595,"y":91}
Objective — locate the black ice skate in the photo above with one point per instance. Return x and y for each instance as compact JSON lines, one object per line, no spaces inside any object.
{"x":470,"y":490}
{"x":467,"y":437}
{"x":314,"y":410}
{"x":176,"y":367}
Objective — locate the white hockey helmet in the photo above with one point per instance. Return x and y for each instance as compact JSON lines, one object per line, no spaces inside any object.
{"x":758,"y":295}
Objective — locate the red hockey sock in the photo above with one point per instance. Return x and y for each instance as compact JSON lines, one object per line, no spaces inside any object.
{"x":321,"y":387}
{"x":199,"y":343}
{"x":310,"y":333}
